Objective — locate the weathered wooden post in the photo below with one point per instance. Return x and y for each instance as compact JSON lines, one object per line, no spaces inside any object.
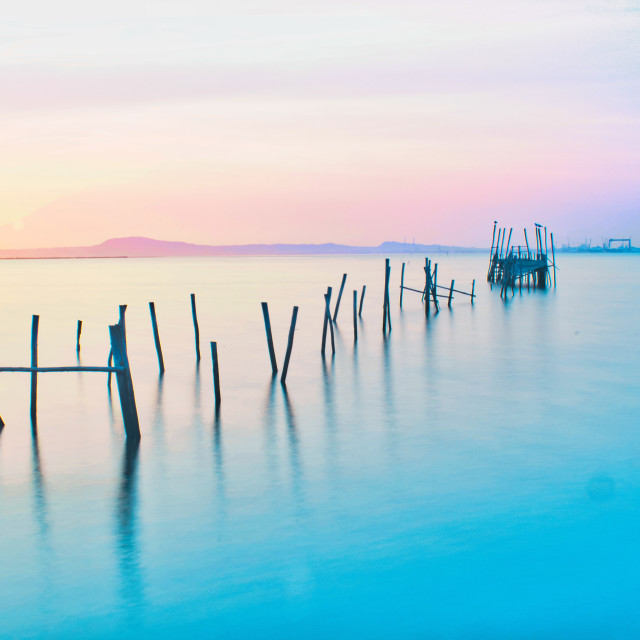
{"x":527,"y":243}
{"x":493,"y":237}
{"x":473,"y":288}
{"x":508,"y":242}
{"x":35,"y":321}
{"x":335,"y":313}
{"x":78,"y":336}
{"x":122,"y":309}
{"x":553,"y":255}
{"x":292,"y":328}
{"x":216,"y":373}
{"x":426,"y":296}
{"x":388,"y":296}
{"x":385,"y":302}
{"x":125,"y":384}
{"x":156,"y":336}
{"x":327,"y":321}
{"x":364,"y":288}
{"x":450,"y":294}
{"x":355,"y":315}
{"x":401,"y":284}
{"x":195,"y":325}
{"x":267,"y":328}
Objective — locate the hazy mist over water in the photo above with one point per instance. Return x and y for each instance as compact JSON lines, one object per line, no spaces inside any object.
{"x":474,"y":474}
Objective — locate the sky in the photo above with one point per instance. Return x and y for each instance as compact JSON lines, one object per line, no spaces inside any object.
{"x":358,"y":122}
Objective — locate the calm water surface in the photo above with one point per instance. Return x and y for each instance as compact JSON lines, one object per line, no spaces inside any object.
{"x":475,"y":475}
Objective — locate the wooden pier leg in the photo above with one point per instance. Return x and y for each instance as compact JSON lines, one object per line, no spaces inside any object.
{"x":35,"y":321}
{"x":156,"y":336}
{"x":434,"y":288}
{"x":327,"y":304}
{"x":364,"y":288}
{"x":553,"y":255}
{"x":335,"y":313}
{"x":384,"y":296}
{"x":216,"y":373}
{"x":327,"y":319}
{"x":388,"y":297}
{"x":386,"y":315}
{"x":292,"y":328}
{"x":267,"y":328}
{"x":504,"y":234}
{"x":450,"y":294}
{"x":401,"y":284}
{"x":493,"y":239}
{"x":195,"y":325}
{"x":122,"y":309}
{"x":355,"y":315}
{"x":125,"y":384}
{"x":78,"y":336}
{"x":473,"y":288}
{"x":546,"y":251}
{"x":509,"y":241}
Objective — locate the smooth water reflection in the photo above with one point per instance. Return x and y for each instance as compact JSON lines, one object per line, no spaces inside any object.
{"x":455,"y":478}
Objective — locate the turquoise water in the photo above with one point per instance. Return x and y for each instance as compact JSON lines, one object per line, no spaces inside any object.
{"x":474,"y":475}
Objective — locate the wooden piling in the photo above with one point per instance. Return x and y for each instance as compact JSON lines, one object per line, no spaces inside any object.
{"x":327,"y":317}
{"x":267,"y":328}
{"x":386,"y":318}
{"x":216,"y":373}
{"x":389,"y":298}
{"x":504,"y":234}
{"x":335,"y":313}
{"x":121,"y":321}
{"x":79,"y":331}
{"x":327,"y":321}
{"x":401,"y":284}
{"x":364,"y":288}
{"x":473,"y":288}
{"x":355,"y":315}
{"x":292,"y":328}
{"x":493,"y":237}
{"x":156,"y":336}
{"x":195,"y":325}
{"x":553,"y":255}
{"x":35,"y":321}
{"x":450,"y":294}
{"x":508,"y":242}
{"x":125,"y":384}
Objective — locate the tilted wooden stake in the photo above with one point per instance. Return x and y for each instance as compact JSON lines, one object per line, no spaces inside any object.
{"x":156,"y":335}
{"x":292,"y":328}
{"x":216,"y":373}
{"x":125,"y":384}
{"x":267,"y":328}
{"x":364,"y":288}
{"x":195,"y":325}
{"x":335,"y":313}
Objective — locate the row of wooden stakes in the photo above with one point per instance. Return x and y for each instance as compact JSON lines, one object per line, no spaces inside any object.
{"x":118,"y":361}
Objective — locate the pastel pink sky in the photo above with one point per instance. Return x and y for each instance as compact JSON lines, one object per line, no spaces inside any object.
{"x":308,"y":121}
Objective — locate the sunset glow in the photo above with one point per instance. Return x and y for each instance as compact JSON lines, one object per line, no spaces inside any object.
{"x":293,"y":122}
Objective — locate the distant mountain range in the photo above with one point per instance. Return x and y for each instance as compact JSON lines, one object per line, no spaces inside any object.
{"x":137,"y":247}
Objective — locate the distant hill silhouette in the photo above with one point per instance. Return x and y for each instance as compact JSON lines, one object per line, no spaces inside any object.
{"x":139,"y":247}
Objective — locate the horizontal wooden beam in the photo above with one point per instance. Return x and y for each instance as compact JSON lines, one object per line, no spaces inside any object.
{"x":59,"y":369}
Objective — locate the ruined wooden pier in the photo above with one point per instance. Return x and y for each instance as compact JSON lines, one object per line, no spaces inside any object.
{"x":512,"y":266}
